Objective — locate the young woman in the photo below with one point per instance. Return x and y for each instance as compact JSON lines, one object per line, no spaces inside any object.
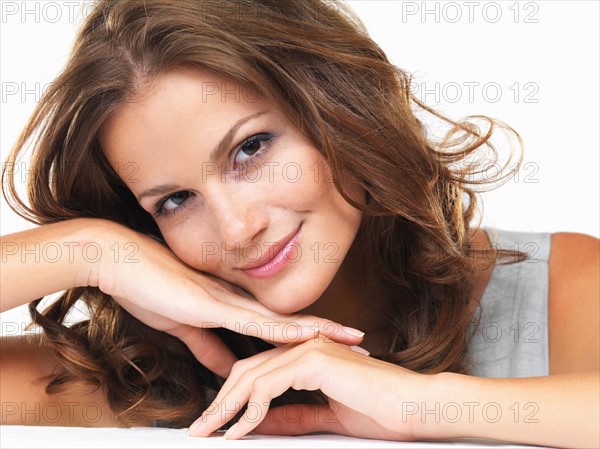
{"x":264,"y":233}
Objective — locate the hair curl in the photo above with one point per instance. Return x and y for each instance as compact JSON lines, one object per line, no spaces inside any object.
{"x":317,"y":60}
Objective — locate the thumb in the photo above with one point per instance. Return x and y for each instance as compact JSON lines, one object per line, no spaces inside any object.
{"x":208,"y":349}
{"x":299,"y":419}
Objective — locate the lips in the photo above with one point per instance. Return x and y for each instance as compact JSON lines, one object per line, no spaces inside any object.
{"x":272,"y":252}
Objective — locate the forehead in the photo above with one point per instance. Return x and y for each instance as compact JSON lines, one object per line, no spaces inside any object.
{"x":178,"y":102}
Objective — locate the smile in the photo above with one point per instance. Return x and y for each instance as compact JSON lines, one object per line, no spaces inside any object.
{"x":279,"y":261}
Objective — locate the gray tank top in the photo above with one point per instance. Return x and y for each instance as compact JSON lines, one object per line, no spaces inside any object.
{"x":511,"y":339}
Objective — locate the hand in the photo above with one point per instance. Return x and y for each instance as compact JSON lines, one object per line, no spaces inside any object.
{"x":168,"y":295}
{"x":364,"y":394}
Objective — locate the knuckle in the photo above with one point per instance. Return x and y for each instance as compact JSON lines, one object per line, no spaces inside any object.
{"x":238,"y":369}
{"x":313,"y":353}
{"x":260,"y":383}
{"x":246,"y":376}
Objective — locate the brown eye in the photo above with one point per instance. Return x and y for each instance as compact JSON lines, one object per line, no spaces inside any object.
{"x":252,"y":147}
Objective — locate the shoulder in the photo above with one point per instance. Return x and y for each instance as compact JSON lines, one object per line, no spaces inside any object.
{"x":573,"y":303}
{"x":24,"y":369}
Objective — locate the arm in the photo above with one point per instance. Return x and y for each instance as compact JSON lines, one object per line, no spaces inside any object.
{"x":24,"y":365}
{"x":369,"y":398}
{"x":139,"y":273}
{"x":558,"y":410}
{"x":574,"y":304}
{"x":561,"y":409}
{"x":46,"y":260}
{"x":36,"y":263}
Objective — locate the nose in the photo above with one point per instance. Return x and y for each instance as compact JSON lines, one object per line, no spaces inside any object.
{"x":238,"y":215}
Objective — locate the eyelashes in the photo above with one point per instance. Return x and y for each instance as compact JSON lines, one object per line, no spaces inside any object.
{"x":182,"y":196}
{"x":256,"y":145}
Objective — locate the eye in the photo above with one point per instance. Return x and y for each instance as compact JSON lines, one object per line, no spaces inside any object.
{"x":172,"y":203}
{"x":252,"y":148}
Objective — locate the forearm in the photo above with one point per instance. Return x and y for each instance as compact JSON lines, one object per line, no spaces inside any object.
{"x":558,"y":410}
{"x":51,"y":258}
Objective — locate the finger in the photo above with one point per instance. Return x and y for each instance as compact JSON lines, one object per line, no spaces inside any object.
{"x":260,"y":393}
{"x":244,"y":367}
{"x":275,"y":327}
{"x":232,"y":380}
{"x":360,"y":350}
{"x":300,"y":419}
{"x":252,"y":323}
{"x":257,"y":321}
{"x":338,"y":333}
{"x":331,"y":329}
{"x":257,"y":386}
{"x":285,"y":369}
{"x":208,"y":349}
{"x":261,"y":363}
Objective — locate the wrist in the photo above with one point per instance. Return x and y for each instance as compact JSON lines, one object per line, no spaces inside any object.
{"x":54,"y":257}
{"x":102,"y":245}
{"x":439,"y":412}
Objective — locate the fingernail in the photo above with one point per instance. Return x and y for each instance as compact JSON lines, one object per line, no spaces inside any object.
{"x":231,"y":431}
{"x":359,"y":349}
{"x":353,"y":332}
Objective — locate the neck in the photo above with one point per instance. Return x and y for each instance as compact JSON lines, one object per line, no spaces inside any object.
{"x":343,"y":303}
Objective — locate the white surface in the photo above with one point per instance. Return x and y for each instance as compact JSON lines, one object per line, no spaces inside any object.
{"x":77,"y":437}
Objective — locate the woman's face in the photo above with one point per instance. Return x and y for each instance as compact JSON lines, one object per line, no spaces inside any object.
{"x":230,"y":181}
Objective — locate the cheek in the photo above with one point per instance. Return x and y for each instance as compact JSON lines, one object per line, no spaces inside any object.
{"x":298,"y":185}
{"x":188,"y":244}
{"x":301,"y":179}
{"x":316,"y":192}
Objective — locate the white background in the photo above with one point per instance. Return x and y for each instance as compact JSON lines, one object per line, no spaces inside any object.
{"x":550,"y":48}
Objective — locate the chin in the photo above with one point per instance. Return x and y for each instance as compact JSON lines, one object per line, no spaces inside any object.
{"x":282,"y":308}
{"x":283,"y":303}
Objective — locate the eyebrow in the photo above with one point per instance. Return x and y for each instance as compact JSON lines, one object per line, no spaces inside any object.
{"x":215,"y":155}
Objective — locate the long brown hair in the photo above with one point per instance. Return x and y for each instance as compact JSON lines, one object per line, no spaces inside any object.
{"x":316,"y":60}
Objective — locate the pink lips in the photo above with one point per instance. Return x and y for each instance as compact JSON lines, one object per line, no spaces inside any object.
{"x":279,"y":261}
